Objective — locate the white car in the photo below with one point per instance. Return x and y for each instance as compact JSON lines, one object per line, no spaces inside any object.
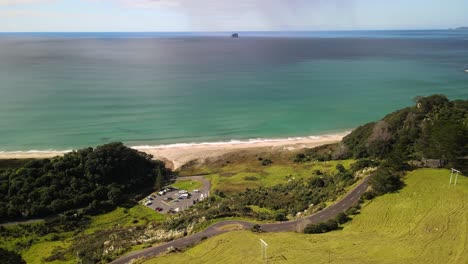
{"x":148,"y":203}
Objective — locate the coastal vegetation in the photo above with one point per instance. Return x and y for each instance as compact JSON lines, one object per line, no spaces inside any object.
{"x":87,"y":181}
{"x":425,"y":222}
{"x":435,"y":128}
{"x":92,"y":193}
{"x":10,"y":257}
{"x":238,"y":171}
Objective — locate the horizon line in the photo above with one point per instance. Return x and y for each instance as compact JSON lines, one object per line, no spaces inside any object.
{"x":233,"y":31}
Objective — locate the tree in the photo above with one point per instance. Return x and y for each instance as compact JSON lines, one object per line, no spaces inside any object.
{"x":342,"y":218}
{"x":447,"y":140}
{"x":280,"y":215}
{"x":159,"y":183}
{"x":92,"y":179}
{"x":384,"y":181}
{"x":10,"y":257}
{"x":322,"y":227}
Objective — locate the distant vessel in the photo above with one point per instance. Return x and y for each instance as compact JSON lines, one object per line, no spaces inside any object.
{"x":235,"y":35}
{"x":466,"y":70}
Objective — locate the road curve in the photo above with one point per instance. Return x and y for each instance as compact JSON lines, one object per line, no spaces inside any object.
{"x":346,"y":202}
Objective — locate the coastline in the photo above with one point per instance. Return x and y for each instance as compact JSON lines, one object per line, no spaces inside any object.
{"x":176,"y":155}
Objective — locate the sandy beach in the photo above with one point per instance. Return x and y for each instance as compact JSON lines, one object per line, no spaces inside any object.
{"x":177,"y":155}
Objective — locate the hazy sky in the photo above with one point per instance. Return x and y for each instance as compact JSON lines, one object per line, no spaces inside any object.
{"x":229,"y":15}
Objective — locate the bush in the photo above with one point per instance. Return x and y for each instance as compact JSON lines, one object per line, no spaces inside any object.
{"x":256,"y":228}
{"x":318,"y":172}
{"x":369,"y":195}
{"x":352,"y":211}
{"x":281,"y":215}
{"x":250,"y":178}
{"x":266,"y":162}
{"x":301,"y":157}
{"x":342,"y":218}
{"x":340,"y":168}
{"x":362,"y":164}
{"x":322,"y":227}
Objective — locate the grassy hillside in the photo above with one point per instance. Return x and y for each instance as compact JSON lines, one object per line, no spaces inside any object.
{"x":237,"y":171}
{"x":426,"y":222}
{"x":35,"y":248}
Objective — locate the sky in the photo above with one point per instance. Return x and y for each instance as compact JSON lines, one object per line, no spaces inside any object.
{"x":228,"y":15}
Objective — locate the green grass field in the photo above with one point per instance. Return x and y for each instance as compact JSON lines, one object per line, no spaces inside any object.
{"x":238,"y":177}
{"x":188,"y":185}
{"x":234,"y":172}
{"x":137,"y":215}
{"x":426,"y":222}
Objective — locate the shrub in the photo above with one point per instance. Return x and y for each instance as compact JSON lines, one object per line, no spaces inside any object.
{"x":369,"y":195}
{"x":250,"y":178}
{"x":322,"y":227}
{"x":256,"y":228}
{"x":301,"y":157}
{"x":352,"y":211}
{"x":342,"y":218}
{"x":280,"y":215}
{"x":266,"y":162}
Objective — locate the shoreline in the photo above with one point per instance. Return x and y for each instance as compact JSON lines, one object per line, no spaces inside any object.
{"x":180,"y":153}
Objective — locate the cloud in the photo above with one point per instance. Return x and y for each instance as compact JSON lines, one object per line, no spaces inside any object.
{"x":246,"y":14}
{"x":226,"y":15}
{"x":22,"y":2}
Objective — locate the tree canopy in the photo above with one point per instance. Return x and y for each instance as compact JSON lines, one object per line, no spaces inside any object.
{"x":434,"y":128}
{"x":90,"y":179}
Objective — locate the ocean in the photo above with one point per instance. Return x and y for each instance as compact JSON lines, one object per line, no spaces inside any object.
{"x":61,"y":91}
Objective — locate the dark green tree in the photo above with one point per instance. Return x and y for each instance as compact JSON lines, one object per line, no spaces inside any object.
{"x":10,"y":257}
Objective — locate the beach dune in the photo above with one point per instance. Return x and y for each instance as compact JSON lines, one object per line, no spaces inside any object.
{"x":176,"y":155}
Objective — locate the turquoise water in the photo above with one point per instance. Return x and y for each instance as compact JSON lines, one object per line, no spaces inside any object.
{"x":64,"y":91}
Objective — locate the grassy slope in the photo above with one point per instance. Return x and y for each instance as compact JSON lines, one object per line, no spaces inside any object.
{"x":121,"y":217}
{"x":188,"y":185}
{"x":233,"y":177}
{"x":427,"y":222}
{"x":228,"y":173}
{"x":43,"y":246}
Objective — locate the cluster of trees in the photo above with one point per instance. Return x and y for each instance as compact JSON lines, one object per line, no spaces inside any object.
{"x":321,"y":227}
{"x":321,"y":153}
{"x":10,"y":257}
{"x":434,"y":128}
{"x":329,"y":225}
{"x":90,"y":179}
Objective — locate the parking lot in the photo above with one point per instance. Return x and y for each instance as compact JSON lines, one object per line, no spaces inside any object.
{"x":173,"y":200}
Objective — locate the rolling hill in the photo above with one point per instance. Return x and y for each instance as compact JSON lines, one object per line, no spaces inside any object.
{"x":426,"y":222}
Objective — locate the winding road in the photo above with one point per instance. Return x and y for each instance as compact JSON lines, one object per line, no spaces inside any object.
{"x":346,"y":202}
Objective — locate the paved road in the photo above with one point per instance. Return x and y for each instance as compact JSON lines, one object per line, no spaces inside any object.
{"x":297,"y":225}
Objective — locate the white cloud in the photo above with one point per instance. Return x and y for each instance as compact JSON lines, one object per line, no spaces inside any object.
{"x":22,"y":2}
{"x":254,"y":14}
